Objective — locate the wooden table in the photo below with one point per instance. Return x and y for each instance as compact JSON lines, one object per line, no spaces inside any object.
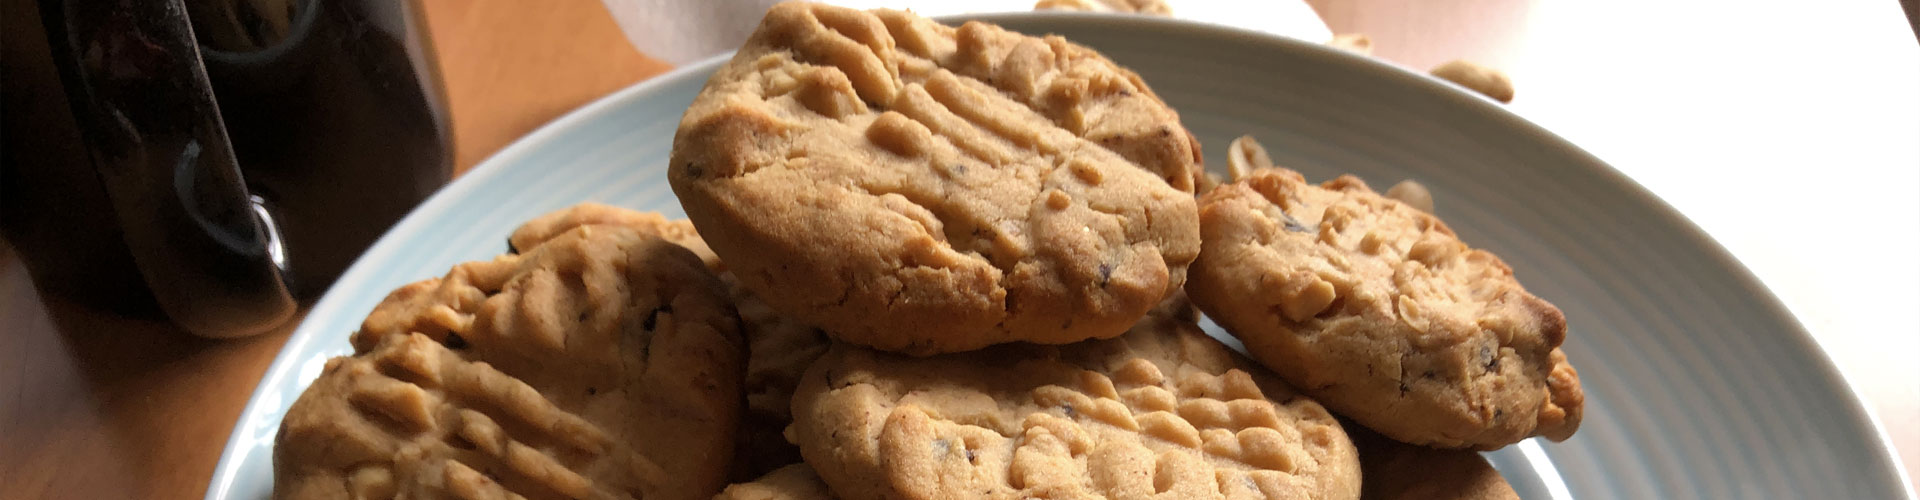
{"x":94,"y":406}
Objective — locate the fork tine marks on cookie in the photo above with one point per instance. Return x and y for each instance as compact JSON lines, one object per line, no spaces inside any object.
{"x":995,"y":187}
{"x":553,"y":383}
{"x":858,"y":46}
{"x":1161,"y":412}
{"x":920,"y":105}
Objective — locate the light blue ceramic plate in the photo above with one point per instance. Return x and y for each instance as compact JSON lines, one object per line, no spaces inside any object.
{"x":1699,"y":384}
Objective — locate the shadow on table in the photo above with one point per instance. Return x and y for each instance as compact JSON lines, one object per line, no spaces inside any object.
{"x":100,"y":405}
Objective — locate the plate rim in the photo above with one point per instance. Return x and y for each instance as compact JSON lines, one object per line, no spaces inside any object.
{"x":1692,"y":232}
{"x":225,"y":470}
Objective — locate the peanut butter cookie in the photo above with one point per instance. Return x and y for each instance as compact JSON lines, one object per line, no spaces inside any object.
{"x":1378,"y":311}
{"x":599,"y":363}
{"x":545,"y":227}
{"x":920,"y":188}
{"x":1160,"y":412}
{"x":793,"y":482}
{"x":1400,"y":471}
{"x":778,"y":348}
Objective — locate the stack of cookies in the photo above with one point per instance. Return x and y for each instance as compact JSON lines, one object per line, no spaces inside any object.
{"x":938,"y":262}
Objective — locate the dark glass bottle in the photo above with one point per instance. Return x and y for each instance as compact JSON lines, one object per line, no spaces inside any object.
{"x":218,"y":158}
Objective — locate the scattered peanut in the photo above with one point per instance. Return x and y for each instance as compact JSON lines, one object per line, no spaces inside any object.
{"x":1413,"y":194}
{"x":1208,"y":182}
{"x":1080,"y":5}
{"x":1150,"y":7}
{"x":1357,"y":43}
{"x":1244,"y":155}
{"x":1488,"y":81}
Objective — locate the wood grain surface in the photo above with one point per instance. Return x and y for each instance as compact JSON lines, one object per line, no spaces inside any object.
{"x":97,"y":406}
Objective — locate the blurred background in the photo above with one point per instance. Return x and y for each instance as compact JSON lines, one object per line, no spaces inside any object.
{"x":1789,"y":131}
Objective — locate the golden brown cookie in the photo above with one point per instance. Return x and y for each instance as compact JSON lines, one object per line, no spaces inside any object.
{"x":1161,"y":412}
{"x":793,"y":482}
{"x":547,"y":374}
{"x":924,"y":189}
{"x":778,"y":348}
{"x":1379,"y":312}
{"x":678,"y":231}
{"x":1400,"y":471}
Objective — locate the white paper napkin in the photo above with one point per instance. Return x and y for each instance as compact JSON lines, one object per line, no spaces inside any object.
{"x":684,"y":31}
